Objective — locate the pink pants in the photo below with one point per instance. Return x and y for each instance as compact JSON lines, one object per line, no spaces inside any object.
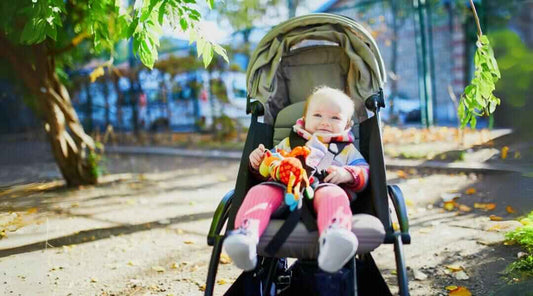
{"x":331,"y":204}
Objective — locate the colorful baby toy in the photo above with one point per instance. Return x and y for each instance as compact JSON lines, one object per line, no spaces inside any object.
{"x":287,"y":168}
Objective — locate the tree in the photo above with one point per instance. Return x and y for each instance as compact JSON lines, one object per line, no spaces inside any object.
{"x":243,"y":15}
{"x":42,"y":38}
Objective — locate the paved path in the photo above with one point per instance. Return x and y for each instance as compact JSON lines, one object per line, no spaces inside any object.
{"x":144,"y":233}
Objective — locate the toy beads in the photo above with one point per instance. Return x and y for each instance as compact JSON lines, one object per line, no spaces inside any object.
{"x":288,"y":166}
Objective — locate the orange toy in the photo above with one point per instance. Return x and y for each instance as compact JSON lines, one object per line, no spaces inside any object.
{"x":287,"y":168}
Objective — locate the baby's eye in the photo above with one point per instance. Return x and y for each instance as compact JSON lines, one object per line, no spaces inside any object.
{"x":317,"y":115}
{"x":336,"y":118}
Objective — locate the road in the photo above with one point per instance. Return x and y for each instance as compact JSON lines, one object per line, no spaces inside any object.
{"x":142,"y":231}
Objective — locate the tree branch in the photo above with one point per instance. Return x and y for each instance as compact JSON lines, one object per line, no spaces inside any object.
{"x":479,"y":33}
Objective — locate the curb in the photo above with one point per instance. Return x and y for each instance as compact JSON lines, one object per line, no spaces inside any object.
{"x":394,"y":164}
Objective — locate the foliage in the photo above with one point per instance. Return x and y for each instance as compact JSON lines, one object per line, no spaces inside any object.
{"x":478,"y":98}
{"x":514,"y":60}
{"x":242,"y":15}
{"x":524,"y":237}
{"x":174,"y":65}
{"x":218,"y":89}
{"x":225,"y":128}
{"x":63,"y":25}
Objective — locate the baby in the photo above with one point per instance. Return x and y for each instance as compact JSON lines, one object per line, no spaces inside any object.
{"x":325,"y":126}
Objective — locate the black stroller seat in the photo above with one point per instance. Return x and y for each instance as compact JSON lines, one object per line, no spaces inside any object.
{"x":290,"y":61}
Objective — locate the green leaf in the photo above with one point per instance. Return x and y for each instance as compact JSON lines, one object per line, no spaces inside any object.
{"x":473,"y":122}
{"x":211,"y":4}
{"x":207,"y":54}
{"x":200,"y":45}
{"x":484,"y":40}
{"x":221,"y":52}
{"x":162,"y":12}
{"x":183,"y":24}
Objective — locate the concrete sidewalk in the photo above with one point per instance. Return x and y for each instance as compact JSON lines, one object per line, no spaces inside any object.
{"x":390,"y":163}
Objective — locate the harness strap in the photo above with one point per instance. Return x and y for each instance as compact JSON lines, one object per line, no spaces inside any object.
{"x":283,"y":233}
{"x":306,"y":213}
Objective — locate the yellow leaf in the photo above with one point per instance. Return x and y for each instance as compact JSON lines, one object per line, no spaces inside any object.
{"x":470,"y":191}
{"x":96,"y":73}
{"x":188,"y":242}
{"x":401,"y":174}
{"x":158,"y":268}
{"x":32,"y":211}
{"x":505,"y":150}
{"x":449,"y":205}
{"x":201,"y":288}
{"x":454,"y":268}
{"x":510,"y":210}
{"x":450,"y":288}
{"x":464,"y":208}
{"x":485,"y":206}
{"x":517,"y":155}
{"x":94,"y":280}
{"x":130,"y":263}
{"x":495,"y":218}
{"x":460,"y":291}
{"x":174,"y":266}
{"x":224,"y":259}
{"x":221,"y":282}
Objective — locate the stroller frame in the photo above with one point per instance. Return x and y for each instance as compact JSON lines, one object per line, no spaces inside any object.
{"x":373,"y":200}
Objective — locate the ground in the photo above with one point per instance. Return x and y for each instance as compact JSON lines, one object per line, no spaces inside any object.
{"x":142,"y":231}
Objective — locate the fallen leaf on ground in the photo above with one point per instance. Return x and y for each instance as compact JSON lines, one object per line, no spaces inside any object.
{"x":464,"y":208}
{"x":461,"y":275}
{"x":505,"y":150}
{"x":222,"y":282}
{"x":94,"y":280}
{"x":485,"y":206}
{"x":495,"y":218}
{"x":202,"y":288}
{"x":449,"y":205}
{"x":460,"y":291}
{"x":425,"y":230}
{"x":419,"y":275}
{"x":158,"y":268}
{"x":224,"y":259}
{"x":401,"y":174}
{"x":470,"y":191}
{"x":454,"y":267}
{"x":510,"y":210}
{"x":174,"y":265}
{"x":451,"y":288}
{"x":32,"y":211}
{"x":188,"y":242}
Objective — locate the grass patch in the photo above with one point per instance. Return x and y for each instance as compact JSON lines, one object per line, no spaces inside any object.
{"x":523,"y":267}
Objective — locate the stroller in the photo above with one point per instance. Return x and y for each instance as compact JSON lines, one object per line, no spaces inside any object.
{"x":289,"y":62}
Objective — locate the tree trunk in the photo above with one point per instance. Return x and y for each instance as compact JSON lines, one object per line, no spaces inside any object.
{"x":72,"y":148}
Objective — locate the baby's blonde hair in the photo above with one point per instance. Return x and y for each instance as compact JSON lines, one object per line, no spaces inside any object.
{"x":331,"y":93}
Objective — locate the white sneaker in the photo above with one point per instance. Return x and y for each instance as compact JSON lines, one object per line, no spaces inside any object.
{"x":337,"y":247}
{"x":241,"y":247}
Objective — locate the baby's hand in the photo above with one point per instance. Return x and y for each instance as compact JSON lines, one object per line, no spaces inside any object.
{"x":338,"y":175}
{"x":256,"y":157}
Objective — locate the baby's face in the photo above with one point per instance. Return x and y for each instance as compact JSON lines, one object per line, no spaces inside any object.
{"x":326,"y":116}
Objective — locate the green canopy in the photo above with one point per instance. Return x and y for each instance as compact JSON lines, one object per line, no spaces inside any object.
{"x":366,"y":73}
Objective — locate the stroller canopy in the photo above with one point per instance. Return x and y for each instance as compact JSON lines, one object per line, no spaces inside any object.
{"x":365,"y":72}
